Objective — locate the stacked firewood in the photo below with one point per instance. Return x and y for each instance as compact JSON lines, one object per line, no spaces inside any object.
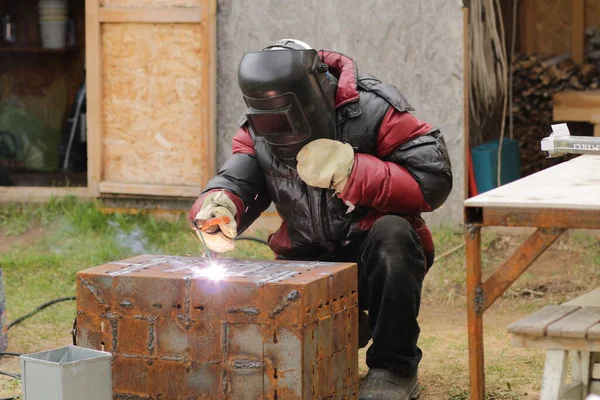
{"x":535,"y":81}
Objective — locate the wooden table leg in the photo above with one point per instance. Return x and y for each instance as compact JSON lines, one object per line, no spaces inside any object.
{"x":474,"y":311}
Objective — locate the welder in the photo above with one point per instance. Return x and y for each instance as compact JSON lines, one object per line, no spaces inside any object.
{"x":350,"y":171}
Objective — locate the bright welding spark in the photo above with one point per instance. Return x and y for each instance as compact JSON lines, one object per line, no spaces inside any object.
{"x":214,"y":272}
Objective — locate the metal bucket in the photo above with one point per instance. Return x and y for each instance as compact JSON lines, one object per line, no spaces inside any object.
{"x":67,"y":373}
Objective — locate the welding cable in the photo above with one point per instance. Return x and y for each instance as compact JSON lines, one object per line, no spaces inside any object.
{"x":257,"y":240}
{"x":38,"y":309}
{"x":12,"y":375}
{"x":74,"y":332}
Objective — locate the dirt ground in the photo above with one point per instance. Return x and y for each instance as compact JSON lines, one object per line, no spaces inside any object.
{"x":564,"y":271}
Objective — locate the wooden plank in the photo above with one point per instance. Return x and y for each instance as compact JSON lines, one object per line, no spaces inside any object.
{"x":576,"y":105}
{"x":591,"y":298}
{"x":474,"y":313}
{"x":150,"y":190}
{"x":165,"y":80}
{"x":540,"y":218}
{"x":580,"y":366}
{"x":593,"y":332}
{"x":562,"y":186}
{"x":466,"y":110}
{"x":149,"y":15}
{"x":529,"y":25}
{"x":553,"y":27}
{"x":27,"y":194}
{"x":596,"y":371}
{"x":535,"y":324}
{"x":519,"y":261}
{"x":556,"y":343}
{"x":576,"y":324}
{"x":93,"y":60}
{"x":578,"y":31}
{"x":555,"y":373}
{"x":211,"y":104}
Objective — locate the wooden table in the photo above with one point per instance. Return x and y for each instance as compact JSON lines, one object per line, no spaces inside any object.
{"x":558,"y":198}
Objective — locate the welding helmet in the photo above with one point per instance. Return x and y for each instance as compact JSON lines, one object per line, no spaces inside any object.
{"x":289,"y":96}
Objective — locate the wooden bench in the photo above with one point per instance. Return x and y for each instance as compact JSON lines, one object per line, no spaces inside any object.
{"x":570,"y":329}
{"x":581,"y":106}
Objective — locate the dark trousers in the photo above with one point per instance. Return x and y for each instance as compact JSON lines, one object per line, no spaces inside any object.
{"x":392,"y":266}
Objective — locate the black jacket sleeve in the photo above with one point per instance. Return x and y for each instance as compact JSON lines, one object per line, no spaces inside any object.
{"x":242,"y":176}
{"x":426,"y":158}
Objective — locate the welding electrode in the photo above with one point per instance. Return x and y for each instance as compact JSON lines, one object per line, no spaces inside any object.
{"x":209,"y":226}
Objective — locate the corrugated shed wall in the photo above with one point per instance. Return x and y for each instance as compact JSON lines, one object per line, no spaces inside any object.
{"x":415,"y":45}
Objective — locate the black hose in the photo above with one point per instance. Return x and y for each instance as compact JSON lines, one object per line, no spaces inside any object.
{"x":38,"y":309}
{"x":10,"y":354}
{"x":16,"y":376}
{"x":252,"y":240}
{"x":74,"y":332}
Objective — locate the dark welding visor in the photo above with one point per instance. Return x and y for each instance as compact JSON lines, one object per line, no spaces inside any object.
{"x":279,"y":120}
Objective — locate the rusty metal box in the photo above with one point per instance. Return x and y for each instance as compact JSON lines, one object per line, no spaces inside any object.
{"x":181,"y":328}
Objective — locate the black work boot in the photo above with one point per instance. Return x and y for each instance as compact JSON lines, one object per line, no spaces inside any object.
{"x":381,"y":384}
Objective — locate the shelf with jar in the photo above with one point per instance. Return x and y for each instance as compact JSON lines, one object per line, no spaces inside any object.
{"x":51,"y":32}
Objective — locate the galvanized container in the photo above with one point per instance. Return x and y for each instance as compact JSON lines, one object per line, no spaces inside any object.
{"x":67,"y":373}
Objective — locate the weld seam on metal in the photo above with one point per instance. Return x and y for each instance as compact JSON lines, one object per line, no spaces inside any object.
{"x":112,"y":318}
{"x":126,"y":396}
{"x":172,"y":358}
{"x":126,"y":304}
{"x":251,"y":311}
{"x":246,"y":363}
{"x":224,"y":344}
{"x":151,"y":334}
{"x":93,"y":290}
{"x":292,"y":296}
{"x":134,"y":356}
{"x":136,"y":267}
{"x":188,"y":303}
{"x":224,"y":381}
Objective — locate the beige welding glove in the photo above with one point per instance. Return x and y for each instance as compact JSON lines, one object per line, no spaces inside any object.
{"x":326,"y":163}
{"x":218,"y":204}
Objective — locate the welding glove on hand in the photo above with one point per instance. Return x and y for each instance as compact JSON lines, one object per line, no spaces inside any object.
{"x":218,"y":204}
{"x":326,"y":163}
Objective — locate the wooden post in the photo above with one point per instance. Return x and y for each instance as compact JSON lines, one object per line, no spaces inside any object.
{"x":466,"y":86}
{"x":507,"y":273}
{"x":529,"y":36}
{"x":474,"y":311}
{"x":93,"y":63}
{"x":211,"y":46}
{"x":595,"y":120}
{"x":578,"y":31}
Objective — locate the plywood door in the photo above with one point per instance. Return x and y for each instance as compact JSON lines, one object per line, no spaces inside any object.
{"x":151,"y":96}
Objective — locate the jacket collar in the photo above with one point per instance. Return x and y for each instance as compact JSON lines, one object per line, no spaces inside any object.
{"x":346,"y":71}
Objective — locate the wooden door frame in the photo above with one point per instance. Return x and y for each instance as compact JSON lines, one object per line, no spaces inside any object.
{"x":95,"y":16}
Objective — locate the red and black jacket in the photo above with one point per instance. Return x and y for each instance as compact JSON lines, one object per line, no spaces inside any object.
{"x":401,"y":167}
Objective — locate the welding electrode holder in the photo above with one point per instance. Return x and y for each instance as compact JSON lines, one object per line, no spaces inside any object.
{"x":210,"y":225}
